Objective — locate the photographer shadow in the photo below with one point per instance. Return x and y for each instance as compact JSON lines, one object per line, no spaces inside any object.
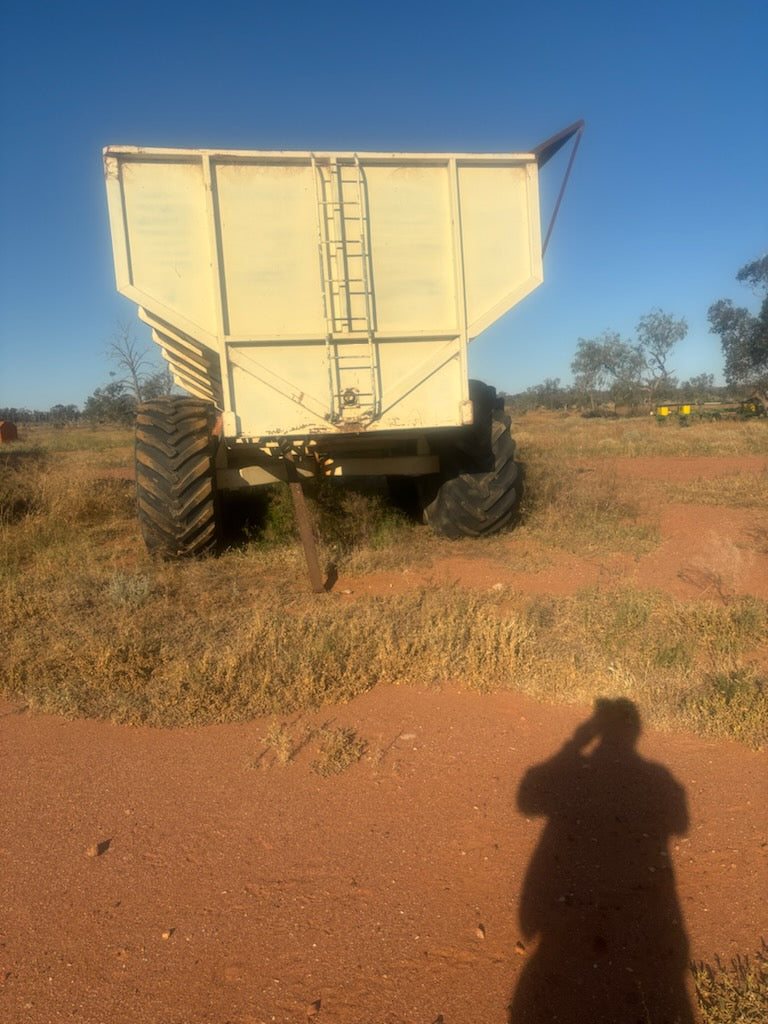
{"x":599,"y":905}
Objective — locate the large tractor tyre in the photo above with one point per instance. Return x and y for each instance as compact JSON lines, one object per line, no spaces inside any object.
{"x":481,"y":498}
{"x":176,"y":495}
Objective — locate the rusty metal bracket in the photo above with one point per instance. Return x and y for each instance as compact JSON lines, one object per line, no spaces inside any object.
{"x":545,"y":152}
{"x":304,"y":523}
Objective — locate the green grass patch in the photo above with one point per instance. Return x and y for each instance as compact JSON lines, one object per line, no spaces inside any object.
{"x":357,"y":528}
{"x":662,"y":654}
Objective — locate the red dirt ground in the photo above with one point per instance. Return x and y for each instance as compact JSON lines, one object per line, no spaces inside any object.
{"x":186,"y":876}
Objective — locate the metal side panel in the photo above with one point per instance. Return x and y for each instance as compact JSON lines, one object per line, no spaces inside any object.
{"x":501,"y":239}
{"x":159,"y":209}
{"x":267,"y":221}
{"x":412,"y":248}
{"x":422,"y":386}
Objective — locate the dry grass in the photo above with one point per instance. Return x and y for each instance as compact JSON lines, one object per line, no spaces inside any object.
{"x":278,"y":739}
{"x":569,"y":435}
{"x":734,"y":490}
{"x":94,"y":440}
{"x":582,"y":513}
{"x":690,"y":666}
{"x":173,"y":645}
{"x":336,"y":748}
{"x":94,"y":627}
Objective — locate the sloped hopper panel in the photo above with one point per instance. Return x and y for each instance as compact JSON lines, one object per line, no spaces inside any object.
{"x":308,"y":293}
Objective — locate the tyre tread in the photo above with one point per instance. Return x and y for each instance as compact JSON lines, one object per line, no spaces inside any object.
{"x":175,"y":477}
{"x":477,"y":504}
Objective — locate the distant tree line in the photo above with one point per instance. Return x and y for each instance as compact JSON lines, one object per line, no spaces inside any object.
{"x":58,"y":414}
{"x":636,"y":372}
{"x":553,"y":394}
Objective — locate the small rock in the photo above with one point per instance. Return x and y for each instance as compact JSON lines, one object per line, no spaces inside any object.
{"x":314,"y":1008}
{"x":96,"y":849}
{"x":520,"y":948}
{"x":480,"y":931}
{"x":168,"y":933}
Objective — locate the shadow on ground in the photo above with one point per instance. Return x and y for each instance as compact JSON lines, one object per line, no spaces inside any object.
{"x":599,"y":905}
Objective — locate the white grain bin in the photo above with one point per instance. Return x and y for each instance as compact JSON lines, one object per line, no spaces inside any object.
{"x":325,"y":301}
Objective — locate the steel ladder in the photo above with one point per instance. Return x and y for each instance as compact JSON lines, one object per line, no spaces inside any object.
{"x":348,"y":302}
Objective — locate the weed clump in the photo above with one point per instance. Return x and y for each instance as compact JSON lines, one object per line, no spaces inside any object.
{"x":735,"y":993}
{"x":340,"y":748}
{"x":129,"y":590}
{"x":21,"y":490}
{"x":731,"y":704}
{"x":278,"y":738}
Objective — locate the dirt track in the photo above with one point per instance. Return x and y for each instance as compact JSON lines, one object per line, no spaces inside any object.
{"x":389,"y":893}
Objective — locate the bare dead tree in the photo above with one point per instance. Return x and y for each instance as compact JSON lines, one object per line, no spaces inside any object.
{"x":137,"y":373}
{"x":132,"y":362}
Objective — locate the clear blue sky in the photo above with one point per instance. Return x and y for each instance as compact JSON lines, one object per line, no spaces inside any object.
{"x":668,"y":198}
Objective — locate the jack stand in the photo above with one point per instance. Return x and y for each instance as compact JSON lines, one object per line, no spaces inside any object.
{"x":304,"y":524}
